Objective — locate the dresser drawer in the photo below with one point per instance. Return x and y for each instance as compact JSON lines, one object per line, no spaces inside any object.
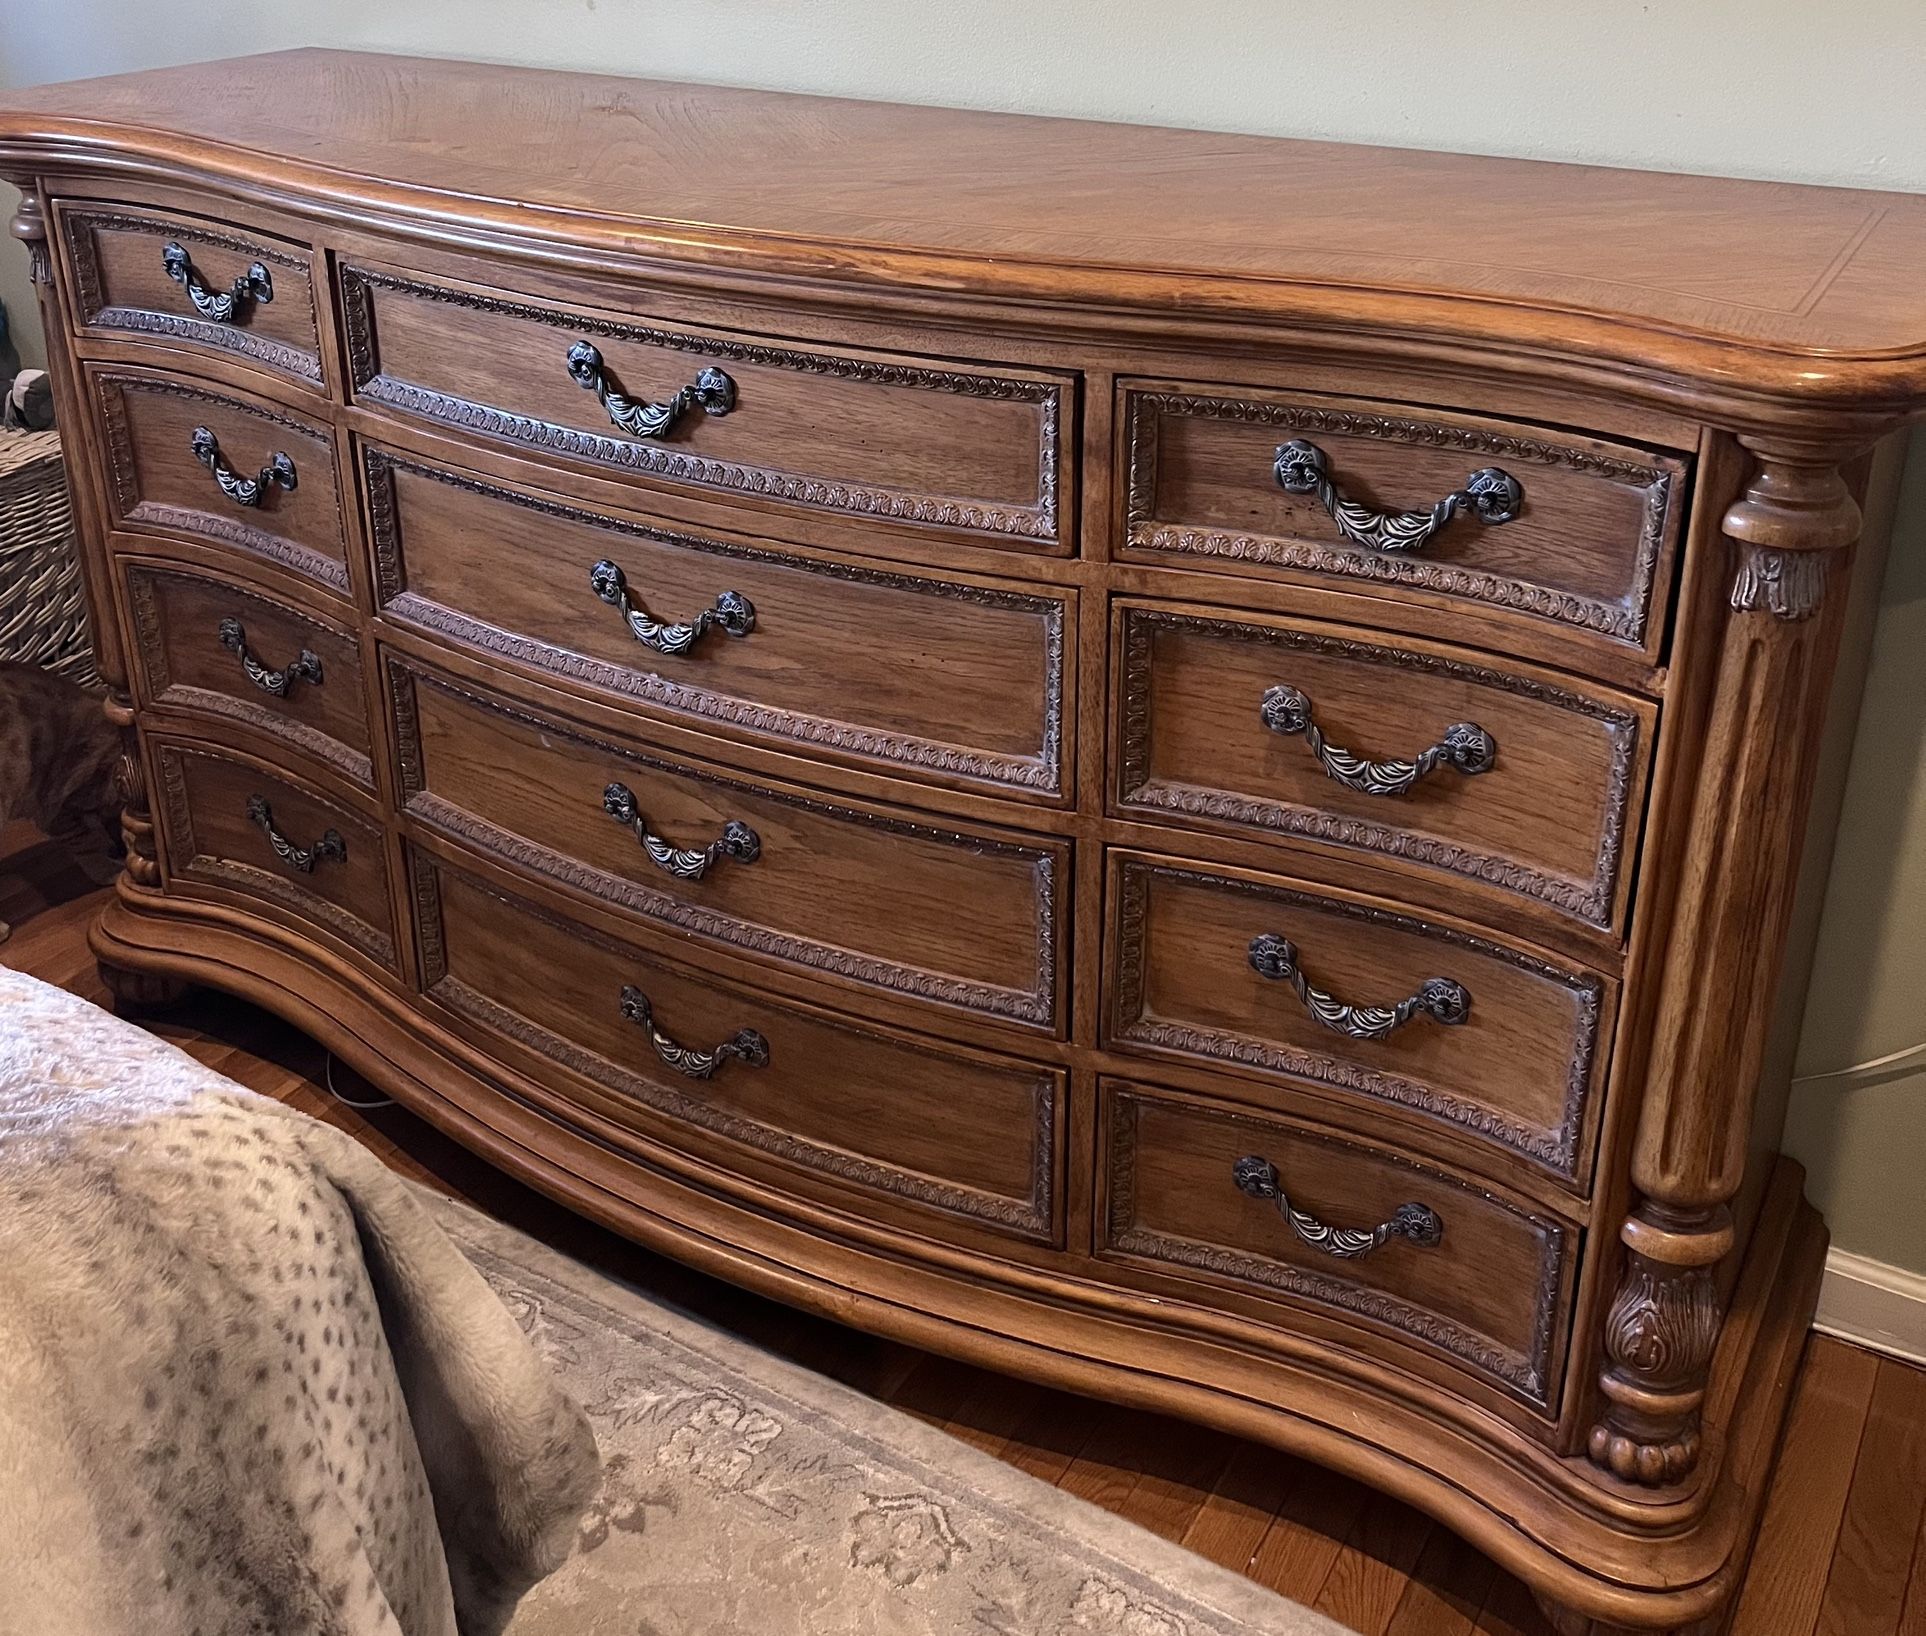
{"x":1275,"y":979}
{"x":241,"y":827}
{"x":1587,"y":538}
{"x":222,"y":466}
{"x":822,"y":1108}
{"x":213,"y":646}
{"x":1272,"y":1208}
{"x":953,"y":682}
{"x":192,"y":282}
{"x":963,"y":918}
{"x":1522,"y":779}
{"x":887,"y":438}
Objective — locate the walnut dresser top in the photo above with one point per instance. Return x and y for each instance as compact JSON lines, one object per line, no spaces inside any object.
{"x":1173,"y":761}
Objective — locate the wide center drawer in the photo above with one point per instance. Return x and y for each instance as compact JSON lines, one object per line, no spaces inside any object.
{"x":944,"y":680}
{"x":966,"y":919}
{"x":879,"y":437}
{"x":817,"y":1106}
{"x":1274,"y":978}
{"x":1511,"y":776}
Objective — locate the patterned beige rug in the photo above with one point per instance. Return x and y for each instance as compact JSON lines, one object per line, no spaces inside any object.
{"x":746,"y":1496}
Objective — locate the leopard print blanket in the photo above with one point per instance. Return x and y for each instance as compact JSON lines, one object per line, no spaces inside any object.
{"x":246,"y":1383}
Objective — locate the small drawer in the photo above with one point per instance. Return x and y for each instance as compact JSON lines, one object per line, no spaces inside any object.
{"x":1504,"y":517}
{"x":191,"y":282}
{"x":790,"y":1101}
{"x":211,"y":646}
{"x":221,"y":466}
{"x":963,"y":919}
{"x":1521,"y":779}
{"x":884,"y":438}
{"x":948,"y":681}
{"x":1278,"y":1210}
{"x":1271,"y":978}
{"x":233,"y":824}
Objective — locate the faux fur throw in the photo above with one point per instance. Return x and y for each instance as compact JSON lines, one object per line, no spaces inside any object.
{"x":246,"y":1384}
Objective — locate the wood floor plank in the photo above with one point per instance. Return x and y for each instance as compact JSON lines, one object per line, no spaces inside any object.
{"x":1800,"y":1530}
{"x":1316,"y":1516}
{"x":1446,"y":1591}
{"x":1236,"y":1515}
{"x":1051,"y":1435}
{"x":992,"y":1411}
{"x":1180,"y":1467}
{"x":1912,"y":1622}
{"x":1369,"y":1574}
{"x":1866,"y":1588}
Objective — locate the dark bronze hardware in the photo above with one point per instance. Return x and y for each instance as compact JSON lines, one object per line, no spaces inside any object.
{"x":746,"y":1045}
{"x":1258,"y":1178}
{"x":733,"y":613}
{"x":1492,"y":495}
{"x":1465,"y":746}
{"x":713,"y":392}
{"x":1439,"y":998}
{"x":305,"y":668}
{"x":217,"y":306}
{"x":299,"y":858}
{"x":243,"y":491}
{"x":737,"y":839}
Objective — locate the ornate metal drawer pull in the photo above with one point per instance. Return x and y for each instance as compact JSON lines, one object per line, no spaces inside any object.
{"x":737,"y":839}
{"x":1440,"y":998}
{"x":713,"y":392}
{"x":243,"y":491}
{"x":306,"y":668}
{"x":733,"y":613}
{"x":1258,"y":1178}
{"x":746,"y":1045}
{"x":1494,"y":496}
{"x":217,"y":306}
{"x":299,"y":858}
{"x":1465,"y":746}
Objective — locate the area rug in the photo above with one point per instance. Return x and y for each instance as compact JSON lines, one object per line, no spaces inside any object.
{"x":745,"y":1494}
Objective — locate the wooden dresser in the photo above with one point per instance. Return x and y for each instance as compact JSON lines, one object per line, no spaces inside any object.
{"x":1173,"y":762}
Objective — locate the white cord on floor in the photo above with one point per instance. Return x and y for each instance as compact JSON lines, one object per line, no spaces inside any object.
{"x":327,"y":1079}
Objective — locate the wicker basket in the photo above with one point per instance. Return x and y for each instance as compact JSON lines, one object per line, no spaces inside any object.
{"x":43,"y":613}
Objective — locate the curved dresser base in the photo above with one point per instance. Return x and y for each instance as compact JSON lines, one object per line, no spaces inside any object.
{"x":1654,"y":1560}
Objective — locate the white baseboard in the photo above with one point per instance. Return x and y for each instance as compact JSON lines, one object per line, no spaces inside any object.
{"x":1873,"y":1305}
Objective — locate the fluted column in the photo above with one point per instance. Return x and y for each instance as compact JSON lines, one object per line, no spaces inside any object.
{"x":1789,"y":536}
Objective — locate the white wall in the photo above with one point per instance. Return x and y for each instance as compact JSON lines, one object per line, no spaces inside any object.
{"x":1833,"y":93}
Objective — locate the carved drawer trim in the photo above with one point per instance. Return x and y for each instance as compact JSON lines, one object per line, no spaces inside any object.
{"x":90,"y":298}
{"x":1557,"y":1149}
{"x":1592,"y":901}
{"x":1042,"y":773}
{"x":1629,"y":623}
{"x":1035,"y":522}
{"x":164,"y":690}
{"x":1036,"y":1005}
{"x":1530,"y":1375}
{"x":1033,"y":1218}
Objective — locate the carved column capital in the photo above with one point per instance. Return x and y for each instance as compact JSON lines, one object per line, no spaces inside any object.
{"x":29,"y":226}
{"x":1794,"y":516}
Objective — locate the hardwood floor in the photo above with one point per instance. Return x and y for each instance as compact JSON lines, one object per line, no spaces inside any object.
{"x":1842,"y":1551}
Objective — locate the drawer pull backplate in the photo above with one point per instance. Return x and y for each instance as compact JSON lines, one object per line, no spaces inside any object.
{"x":1440,"y":998}
{"x":302,"y":859}
{"x":1491,"y":495}
{"x":217,"y":306}
{"x":733,"y":613}
{"x":1258,"y":1178}
{"x":305,"y":668}
{"x":737,"y":839}
{"x":243,"y":491}
{"x":1465,"y":746}
{"x":713,"y":392}
{"x":746,"y":1045}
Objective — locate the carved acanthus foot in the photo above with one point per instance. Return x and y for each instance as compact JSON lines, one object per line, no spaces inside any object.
{"x":1659,"y":1335}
